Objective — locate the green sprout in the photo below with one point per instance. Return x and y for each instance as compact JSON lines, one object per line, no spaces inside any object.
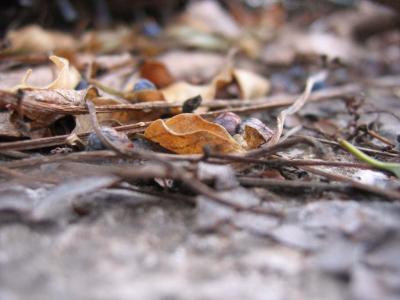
{"x":391,"y":167}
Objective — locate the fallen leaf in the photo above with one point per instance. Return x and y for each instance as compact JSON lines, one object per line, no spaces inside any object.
{"x":209,"y":16}
{"x":251,"y":85}
{"x":292,"y":43}
{"x":35,"y":39}
{"x":106,"y":41}
{"x":67,"y":78}
{"x":203,"y":65}
{"x":181,"y":91}
{"x":186,"y":36}
{"x":84,"y":124}
{"x":157,"y":72}
{"x":189,"y":134}
{"x":255,"y":133}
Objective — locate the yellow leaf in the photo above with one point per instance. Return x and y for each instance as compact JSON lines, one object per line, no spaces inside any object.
{"x":189,"y":134}
{"x":67,"y":78}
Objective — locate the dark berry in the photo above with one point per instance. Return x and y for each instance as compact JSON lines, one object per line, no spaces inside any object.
{"x":191,"y":104}
{"x":230,"y":121}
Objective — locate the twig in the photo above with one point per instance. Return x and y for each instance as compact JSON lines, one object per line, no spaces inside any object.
{"x":60,"y":139}
{"x":14,"y":154}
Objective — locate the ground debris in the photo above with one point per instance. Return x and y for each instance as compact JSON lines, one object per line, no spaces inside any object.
{"x":205,"y":150}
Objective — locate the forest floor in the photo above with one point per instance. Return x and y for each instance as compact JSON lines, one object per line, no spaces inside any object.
{"x":234,"y":168}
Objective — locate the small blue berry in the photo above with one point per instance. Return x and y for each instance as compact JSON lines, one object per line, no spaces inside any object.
{"x":151,"y":29}
{"x":82,"y":85}
{"x":319,"y":85}
{"x":144,"y":84}
{"x":118,"y":138}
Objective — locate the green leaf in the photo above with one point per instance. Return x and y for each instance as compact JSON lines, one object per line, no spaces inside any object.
{"x":391,"y":167}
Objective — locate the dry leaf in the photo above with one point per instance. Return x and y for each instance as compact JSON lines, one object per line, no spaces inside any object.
{"x":145,"y":96}
{"x":157,"y":73}
{"x":67,"y":78}
{"x":189,"y":134}
{"x":203,"y":65}
{"x":189,"y":37}
{"x":209,"y":16}
{"x":292,"y":43}
{"x":255,"y":133}
{"x":44,"y":107}
{"x":83,"y":122}
{"x":251,"y":85}
{"x":35,"y":39}
{"x":181,"y":91}
{"x":106,"y":41}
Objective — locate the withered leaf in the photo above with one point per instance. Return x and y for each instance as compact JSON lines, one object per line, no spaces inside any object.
{"x":189,"y":134}
{"x":255,"y":133}
{"x":251,"y":85}
{"x":67,"y":78}
{"x":33,"y":38}
{"x":157,"y":72}
{"x":181,"y":91}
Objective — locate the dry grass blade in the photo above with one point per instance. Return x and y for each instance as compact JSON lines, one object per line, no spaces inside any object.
{"x":296,"y":106}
